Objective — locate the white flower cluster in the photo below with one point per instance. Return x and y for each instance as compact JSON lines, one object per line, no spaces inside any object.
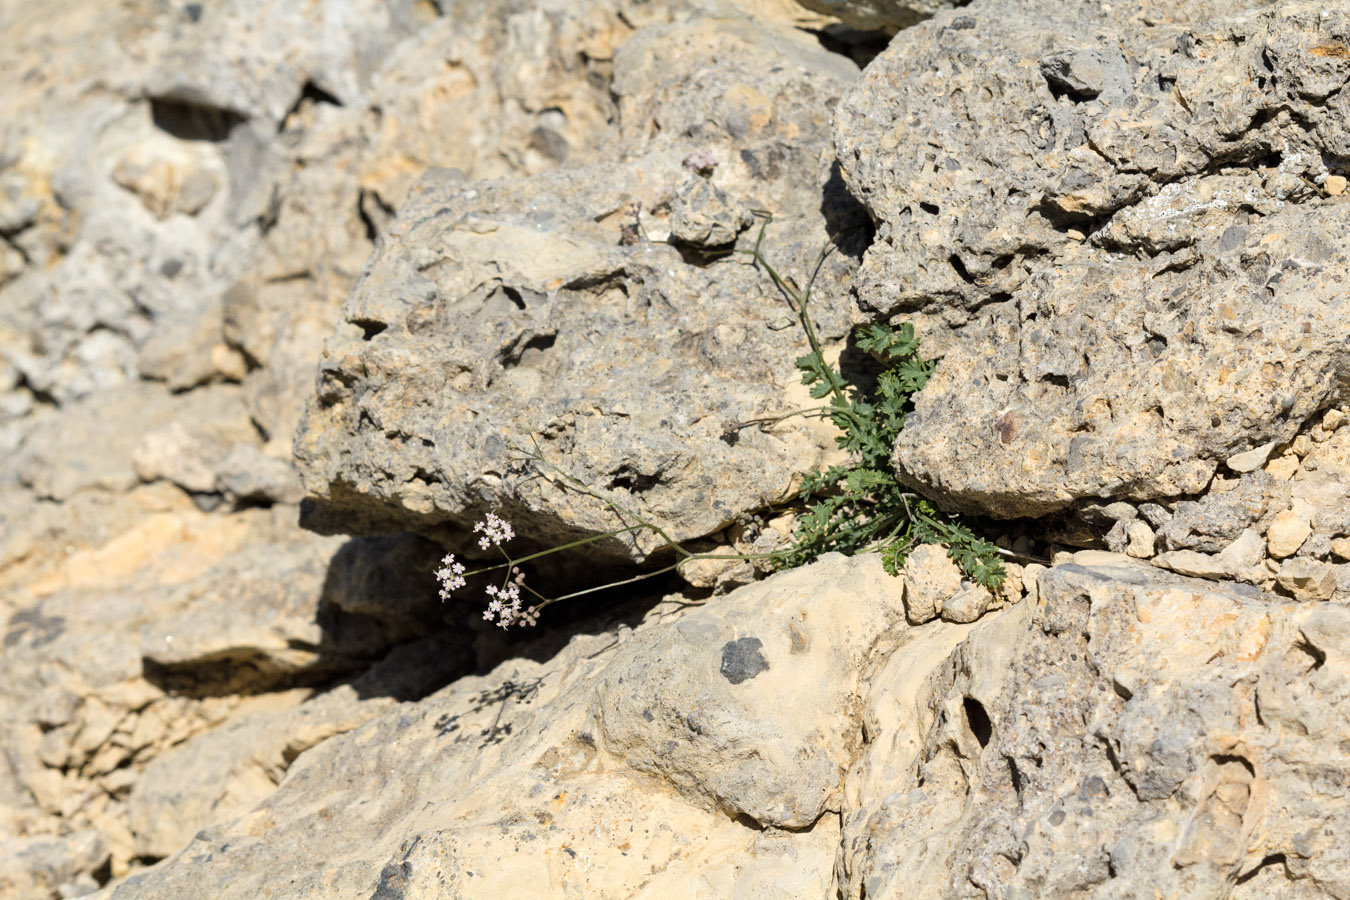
{"x":504,"y":606}
{"x":450,"y":575}
{"x":495,"y":530}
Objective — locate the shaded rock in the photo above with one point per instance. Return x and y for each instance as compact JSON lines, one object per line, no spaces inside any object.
{"x":887,"y":15}
{"x":1307,"y":579}
{"x":223,"y":773}
{"x":1216,"y":519}
{"x":1022,"y":213}
{"x":513,"y":783}
{"x":630,"y":365}
{"x":1104,"y":743}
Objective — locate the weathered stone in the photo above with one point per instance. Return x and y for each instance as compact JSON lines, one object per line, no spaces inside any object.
{"x":930,"y":578}
{"x":1079,"y":246}
{"x":703,"y":215}
{"x":475,"y":326}
{"x":1307,"y":579}
{"x":1162,"y":791}
{"x":526,"y":780}
{"x":1139,"y":540}
{"x":1287,"y":532}
{"x":47,"y":867}
{"x":887,"y":15}
{"x":967,"y":604}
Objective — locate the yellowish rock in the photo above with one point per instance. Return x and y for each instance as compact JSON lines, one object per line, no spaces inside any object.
{"x":1287,"y":533}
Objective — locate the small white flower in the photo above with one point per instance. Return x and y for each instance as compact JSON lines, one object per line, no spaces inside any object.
{"x":450,"y":575}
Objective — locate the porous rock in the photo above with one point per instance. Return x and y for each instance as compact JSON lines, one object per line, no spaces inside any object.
{"x":497,"y":313}
{"x":1104,"y":744}
{"x":1111,"y":227}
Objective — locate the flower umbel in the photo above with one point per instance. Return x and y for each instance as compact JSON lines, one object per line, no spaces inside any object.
{"x":504,"y":603}
{"x":495,"y":531}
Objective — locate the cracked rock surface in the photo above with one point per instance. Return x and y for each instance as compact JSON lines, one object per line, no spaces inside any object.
{"x":1125,"y":232}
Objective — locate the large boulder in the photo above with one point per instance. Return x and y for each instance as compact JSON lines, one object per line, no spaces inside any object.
{"x":548,"y":308}
{"x":1123,"y":232}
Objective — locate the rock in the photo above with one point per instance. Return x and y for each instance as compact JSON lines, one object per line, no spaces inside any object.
{"x":47,"y":867}
{"x":1139,"y":540}
{"x":528,"y":777}
{"x":1250,"y":460}
{"x":1021,"y":225}
{"x":224,"y":773}
{"x":1288,"y":530}
{"x":1340,"y":548}
{"x":930,"y":578}
{"x":1217,"y":519}
{"x":967,"y":604}
{"x":873,"y":15}
{"x":1236,"y":561}
{"x":989,"y":776}
{"x":1307,"y":579}
{"x":703,"y":215}
{"x":416,"y":411}
{"x":248,"y":474}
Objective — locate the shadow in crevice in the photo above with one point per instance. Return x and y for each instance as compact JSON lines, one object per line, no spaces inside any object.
{"x":850,"y":228}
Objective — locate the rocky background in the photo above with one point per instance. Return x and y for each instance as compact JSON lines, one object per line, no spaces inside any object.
{"x":281,"y":282}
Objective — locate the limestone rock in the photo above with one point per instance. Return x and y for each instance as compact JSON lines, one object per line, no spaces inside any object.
{"x":495,"y":312}
{"x":1099,"y":255}
{"x":1307,"y":579}
{"x":1288,"y":531}
{"x":48,"y":867}
{"x":967,"y":604}
{"x":930,"y":578}
{"x":1104,"y":744}
{"x":522,"y":781}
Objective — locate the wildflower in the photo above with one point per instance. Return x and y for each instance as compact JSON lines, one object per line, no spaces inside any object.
{"x":450,"y":575}
{"x":495,"y":531}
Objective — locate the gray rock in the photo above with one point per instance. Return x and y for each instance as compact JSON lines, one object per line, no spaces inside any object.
{"x":885,"y":15}
{"x":1215,"y":520}
{"x":703,"y":215}
{"x":1095,"y":228}
{"x":495,"y":312}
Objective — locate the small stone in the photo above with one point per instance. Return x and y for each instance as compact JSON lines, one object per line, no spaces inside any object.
{"x":967,"y":604}
{"x":1011,"y":590}
{"x":1333,"y":419}
{"x":1139,"y":540}
{"x":1318,"y":433}
{"x":1334,"y":185}
{"x":1302,"y":444}
{"x":1287,"y":532}
{"x":930,"y":578}
{"x":1307,"y":579}
{"x":1340,"y":548}
{"x":1251,"y":460}
{"x":1192,"y":563}
{"x":1242,"y":555}
{"x":1031,"y":577}
{"x":1282,"y":468}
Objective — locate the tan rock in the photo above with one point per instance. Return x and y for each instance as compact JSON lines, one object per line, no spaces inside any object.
{"x":1288,"y":530}
{"x":967,"y":604}
{"x":1252,"y":459}
{"x":930,"y":578}
{"x":1340,"y":548}
{"x":1334,"y":185}
{"x":1307,"y":579}
{"x":1139,"y":540}
{"x":1333,"y":419}
{"x":1283,"y":467}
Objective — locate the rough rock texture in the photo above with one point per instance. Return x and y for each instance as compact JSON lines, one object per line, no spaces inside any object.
{"x":494,"y":312}
{"x":884,"y":15}
{"x":587,"y":775}
{"x":1134,"y":735}
{"x":1118,"y":226}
